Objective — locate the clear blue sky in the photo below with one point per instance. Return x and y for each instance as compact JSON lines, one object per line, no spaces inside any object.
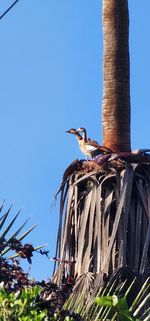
{"x":51,"y":80}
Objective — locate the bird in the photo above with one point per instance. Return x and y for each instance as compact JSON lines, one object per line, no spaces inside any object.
{"x":74,"y":132}
{"x":88,"y":146}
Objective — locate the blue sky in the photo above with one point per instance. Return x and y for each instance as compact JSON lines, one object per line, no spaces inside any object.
{"x":51,"y":80}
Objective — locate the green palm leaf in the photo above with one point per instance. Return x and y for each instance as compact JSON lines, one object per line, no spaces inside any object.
{"x":6,"y":242}
{"x":4,"y":217}
{"x":9,"y":226}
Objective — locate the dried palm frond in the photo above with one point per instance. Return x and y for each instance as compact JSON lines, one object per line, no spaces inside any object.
{"x":104,"y":221}
{"x":104,"y":216}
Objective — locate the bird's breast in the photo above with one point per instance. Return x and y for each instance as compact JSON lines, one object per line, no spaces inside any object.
{"x":86,"y":149}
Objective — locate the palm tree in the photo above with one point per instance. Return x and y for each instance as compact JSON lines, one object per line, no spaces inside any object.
{"x":116,"y":70}
{"x":104,"y":222}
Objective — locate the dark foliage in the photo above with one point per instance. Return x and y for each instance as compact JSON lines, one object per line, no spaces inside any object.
{"x":14,"y":279}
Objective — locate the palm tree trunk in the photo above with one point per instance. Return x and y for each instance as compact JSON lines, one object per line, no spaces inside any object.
{"x":116,"y":69}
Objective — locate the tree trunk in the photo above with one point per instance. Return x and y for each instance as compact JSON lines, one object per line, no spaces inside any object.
{"x":116,"y":69}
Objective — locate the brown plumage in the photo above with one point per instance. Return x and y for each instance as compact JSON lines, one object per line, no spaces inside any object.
{"x":88,"y":146}
{"x":74,"y":132}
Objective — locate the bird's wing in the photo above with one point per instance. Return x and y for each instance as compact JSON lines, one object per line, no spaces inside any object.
{"x":95,"y":145}
{"x":141,"y":151}
{"x":91,"y":140}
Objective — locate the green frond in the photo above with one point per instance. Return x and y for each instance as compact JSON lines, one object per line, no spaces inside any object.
{"x":5,"y":241}
{"x":22,"y":236}
{"x":81,"y":303}
{"x":4,"y":217}
{"x":9,"y":226}
{"x":34,"y":249}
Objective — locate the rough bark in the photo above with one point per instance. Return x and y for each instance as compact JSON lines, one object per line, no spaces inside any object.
{"x":116,"y":78}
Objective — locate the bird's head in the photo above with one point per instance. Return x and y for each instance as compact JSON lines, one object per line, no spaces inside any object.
{"x":81,"y":130}
{"x":71,"y":131}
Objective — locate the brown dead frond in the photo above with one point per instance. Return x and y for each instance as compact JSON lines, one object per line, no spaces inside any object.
{"x":104,"y":221}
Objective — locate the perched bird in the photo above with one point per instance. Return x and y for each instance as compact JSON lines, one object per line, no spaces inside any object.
{"x":88,"y":146}
{"x":74,"y":132}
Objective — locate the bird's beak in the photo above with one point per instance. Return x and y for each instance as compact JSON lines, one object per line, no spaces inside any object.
{"x":71,"y":131}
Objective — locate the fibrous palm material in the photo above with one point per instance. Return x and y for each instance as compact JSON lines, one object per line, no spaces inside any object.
{"x":104,"y":221}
